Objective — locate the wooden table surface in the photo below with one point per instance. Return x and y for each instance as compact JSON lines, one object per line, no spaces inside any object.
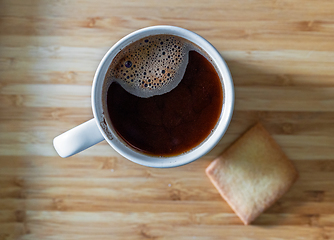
{"x":281,"y":55}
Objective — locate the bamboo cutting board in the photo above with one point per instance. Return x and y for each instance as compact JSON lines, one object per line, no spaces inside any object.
{"x":281,"y":55}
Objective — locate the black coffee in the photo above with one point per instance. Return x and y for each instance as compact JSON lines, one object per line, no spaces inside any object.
{"x":174,"y":122}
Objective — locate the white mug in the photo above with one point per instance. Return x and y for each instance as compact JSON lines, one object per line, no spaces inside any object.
{"x":96,"y":129}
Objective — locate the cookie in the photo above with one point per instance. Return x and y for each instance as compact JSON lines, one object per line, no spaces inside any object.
{"x":252,"y":174}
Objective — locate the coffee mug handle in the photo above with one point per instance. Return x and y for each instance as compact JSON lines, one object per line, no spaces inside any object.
{"x":78,"y":139}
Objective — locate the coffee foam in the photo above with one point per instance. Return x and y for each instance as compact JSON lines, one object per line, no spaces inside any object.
{"x":150,"y":66}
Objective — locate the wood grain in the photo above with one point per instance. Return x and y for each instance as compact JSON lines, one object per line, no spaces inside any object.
{"x":281,"y":55}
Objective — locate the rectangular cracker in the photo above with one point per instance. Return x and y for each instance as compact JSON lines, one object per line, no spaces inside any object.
{"x":252,"y":174}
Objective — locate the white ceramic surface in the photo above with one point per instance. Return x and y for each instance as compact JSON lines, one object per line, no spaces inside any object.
{"x":96,"y":129}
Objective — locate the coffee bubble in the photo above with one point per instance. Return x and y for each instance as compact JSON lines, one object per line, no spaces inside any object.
{"x":151,"y":66}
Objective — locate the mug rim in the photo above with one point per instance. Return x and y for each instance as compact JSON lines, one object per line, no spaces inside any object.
{"x":184,"y":158}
